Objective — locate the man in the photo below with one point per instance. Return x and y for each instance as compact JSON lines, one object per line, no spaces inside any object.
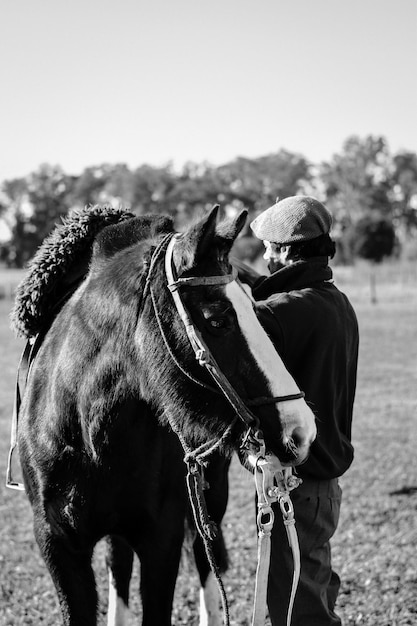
{"x":314,"y":328}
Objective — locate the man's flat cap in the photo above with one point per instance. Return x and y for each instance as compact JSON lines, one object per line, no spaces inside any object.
{"x":297,"y":218}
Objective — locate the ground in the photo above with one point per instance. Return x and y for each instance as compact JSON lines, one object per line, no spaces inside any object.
{"x":374,"y":548}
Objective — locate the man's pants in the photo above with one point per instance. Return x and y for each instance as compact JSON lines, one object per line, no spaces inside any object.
{"x":316,"y":508}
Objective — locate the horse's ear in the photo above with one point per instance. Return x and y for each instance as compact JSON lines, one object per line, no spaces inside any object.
{"x":228,"y":230}
{"x":197,"y":241}
{"x":203,"y":232}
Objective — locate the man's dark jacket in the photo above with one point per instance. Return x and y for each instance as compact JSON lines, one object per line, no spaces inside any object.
{"x":314,"y":328}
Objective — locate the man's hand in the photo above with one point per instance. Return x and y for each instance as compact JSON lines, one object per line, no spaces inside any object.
{"x":247,"y":274}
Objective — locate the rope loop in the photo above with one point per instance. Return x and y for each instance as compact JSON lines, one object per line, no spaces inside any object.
{"x":211,"y":530}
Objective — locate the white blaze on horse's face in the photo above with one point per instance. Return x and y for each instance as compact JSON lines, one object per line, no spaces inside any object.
{"x":117,"y":612}
{"x":297,"y":419}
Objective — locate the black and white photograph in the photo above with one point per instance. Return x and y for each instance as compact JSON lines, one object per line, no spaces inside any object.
{"x":208,"y":313}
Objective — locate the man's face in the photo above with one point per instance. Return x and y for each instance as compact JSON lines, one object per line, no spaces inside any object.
{"x":276,"y":255}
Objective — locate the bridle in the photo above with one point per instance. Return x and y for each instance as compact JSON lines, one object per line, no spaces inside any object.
{"x":202,"y":353}
{"x":273,"y":482}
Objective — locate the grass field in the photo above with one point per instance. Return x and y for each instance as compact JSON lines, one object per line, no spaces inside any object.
{"x":374,"y":548}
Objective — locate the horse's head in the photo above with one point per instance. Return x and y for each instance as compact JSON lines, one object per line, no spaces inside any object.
{"x":221,"y":318}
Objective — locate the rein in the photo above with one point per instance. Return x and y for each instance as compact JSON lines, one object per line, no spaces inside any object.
{"x":273,"y":484}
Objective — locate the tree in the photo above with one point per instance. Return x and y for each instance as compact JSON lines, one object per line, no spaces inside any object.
{"x":195,"y":190}
{"x":150,"y":188}
{"x":373,"y":239}
{"x":118,"y":189}
{"x":364,"y":179}
{"x":357,"y":180}
{"x":34,"y":205}
{"x":257,"y":183}
{"x":404,"y":194}
{"x":88,"y":188}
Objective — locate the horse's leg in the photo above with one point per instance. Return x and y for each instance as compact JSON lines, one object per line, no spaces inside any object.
{"x":159,"y":560}
{"x":119,"y":560}
{"x":210,"y":613}
{"x":216,"y":497}
{"x":69,"y":563}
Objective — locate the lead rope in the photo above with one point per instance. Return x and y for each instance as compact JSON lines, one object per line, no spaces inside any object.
{"x":206,"y":528}
{"x":287,"y":511}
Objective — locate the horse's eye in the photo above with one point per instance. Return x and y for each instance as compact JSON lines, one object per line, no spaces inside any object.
{"x":218,"y":318}
{"x":218,"y":322}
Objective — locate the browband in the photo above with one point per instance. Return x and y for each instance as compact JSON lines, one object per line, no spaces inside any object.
{"x":194,"y":281}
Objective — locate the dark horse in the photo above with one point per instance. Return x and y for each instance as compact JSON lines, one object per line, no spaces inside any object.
{"x":114,"y":378}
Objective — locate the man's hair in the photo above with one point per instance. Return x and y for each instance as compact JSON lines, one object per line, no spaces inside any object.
{"x":319,"y":246}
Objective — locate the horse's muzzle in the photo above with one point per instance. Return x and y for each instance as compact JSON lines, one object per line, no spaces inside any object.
{"x":296,"y":446}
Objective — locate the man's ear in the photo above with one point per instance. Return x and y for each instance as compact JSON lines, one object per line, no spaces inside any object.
{"x":284,"y":256}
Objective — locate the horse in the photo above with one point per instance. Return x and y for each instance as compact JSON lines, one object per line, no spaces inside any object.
{"x":115,"y":397}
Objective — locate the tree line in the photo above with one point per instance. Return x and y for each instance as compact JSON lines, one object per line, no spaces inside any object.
{"x":371,"y":193}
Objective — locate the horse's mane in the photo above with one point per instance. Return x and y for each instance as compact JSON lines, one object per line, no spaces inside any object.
{"x":63,"y":259}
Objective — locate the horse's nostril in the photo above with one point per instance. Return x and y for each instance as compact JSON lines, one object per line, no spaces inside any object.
{"x":290,"y":453}
{"x":298,"y":437}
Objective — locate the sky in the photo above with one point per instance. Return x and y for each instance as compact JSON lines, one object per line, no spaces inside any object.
{"x":156,"y":81}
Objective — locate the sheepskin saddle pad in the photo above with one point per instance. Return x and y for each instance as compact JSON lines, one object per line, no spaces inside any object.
{"x":59,"y":266}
